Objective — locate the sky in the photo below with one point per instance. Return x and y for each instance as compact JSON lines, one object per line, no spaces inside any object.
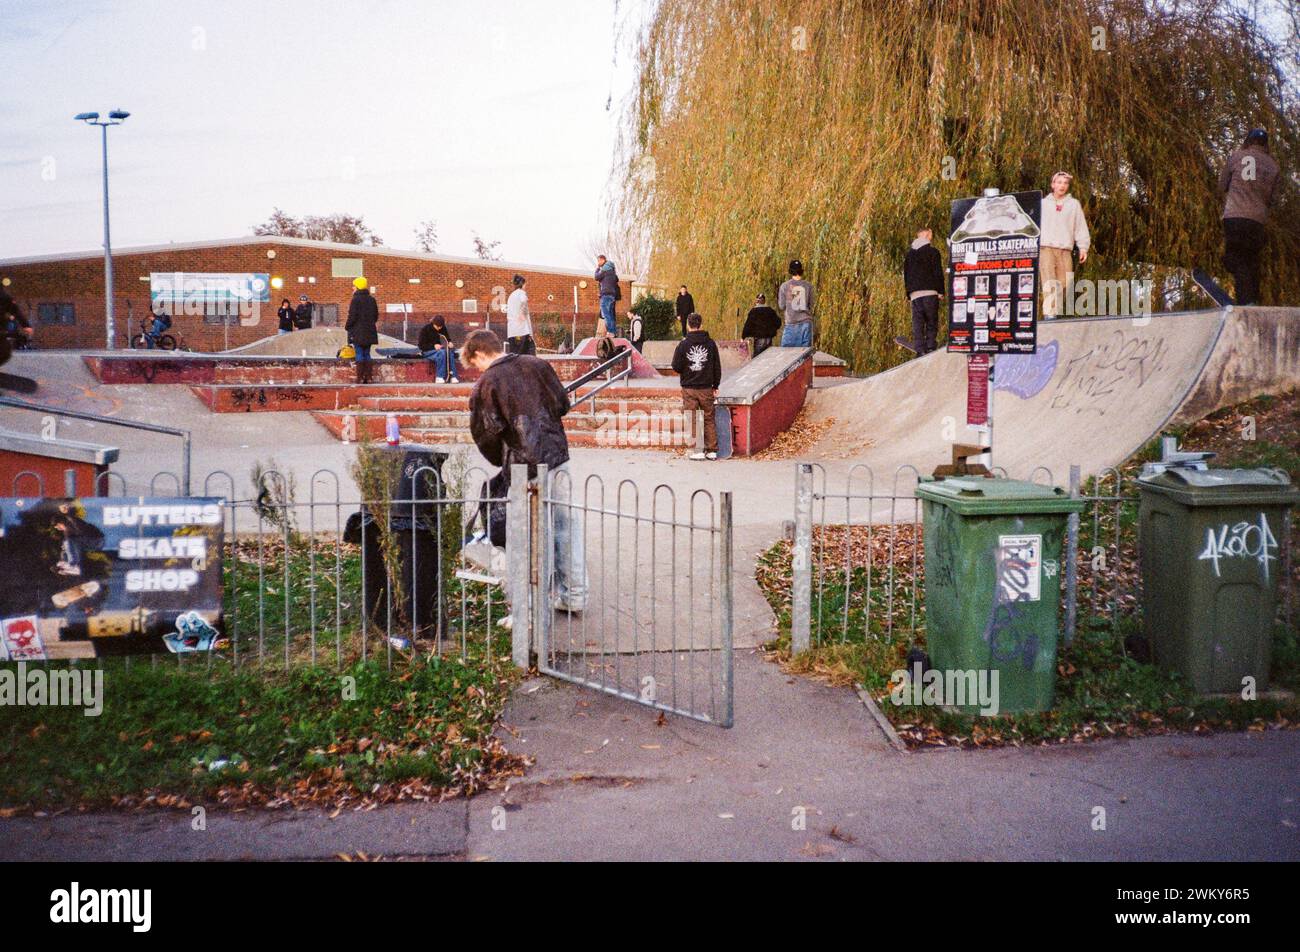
{"x":487,"y":117}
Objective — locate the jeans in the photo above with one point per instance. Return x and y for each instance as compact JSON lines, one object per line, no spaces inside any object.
{"x":925,"y":323}
{"x":1243,"y":242}
{"x":797,"y":335}
{"x":607,"y":312}
{"x":155,"y":331}
{"x":443,"y":358}
{"x":363,"y":352}
{"x":569,"y":578}
{"x":568,"y":552}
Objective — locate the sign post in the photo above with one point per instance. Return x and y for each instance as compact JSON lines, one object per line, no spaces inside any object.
{"x":993,"y":248}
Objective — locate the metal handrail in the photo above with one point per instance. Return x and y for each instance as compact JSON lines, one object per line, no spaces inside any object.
{"x":624,"y":354}
{"x":114,"y":421}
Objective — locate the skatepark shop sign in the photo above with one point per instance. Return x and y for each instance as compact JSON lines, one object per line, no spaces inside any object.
{"x":993,"y":274}
{"x":81,"y":578}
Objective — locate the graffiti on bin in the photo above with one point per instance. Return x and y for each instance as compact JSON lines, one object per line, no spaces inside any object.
{"x":1010,"y":633}
{"x":1243,"y":540}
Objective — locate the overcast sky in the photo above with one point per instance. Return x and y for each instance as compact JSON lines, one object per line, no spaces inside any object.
{"x":484,"y":116}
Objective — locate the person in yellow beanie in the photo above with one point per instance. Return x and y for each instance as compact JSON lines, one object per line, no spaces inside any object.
{"x":363,"y":327}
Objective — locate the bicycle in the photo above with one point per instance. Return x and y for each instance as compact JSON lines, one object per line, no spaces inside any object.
{"x":164,"y":341}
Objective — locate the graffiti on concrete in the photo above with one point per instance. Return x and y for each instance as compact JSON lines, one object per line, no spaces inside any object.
{"x":1109,"y":373}
{"x":1026,"y":375}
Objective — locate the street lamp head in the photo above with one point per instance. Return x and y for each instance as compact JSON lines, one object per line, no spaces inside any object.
{"x":118,"y":114}
{"x":86,"y":116}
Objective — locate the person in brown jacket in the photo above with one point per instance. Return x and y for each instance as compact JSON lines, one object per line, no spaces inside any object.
{"x":516,"y":412}
{"x":1249,"y":184}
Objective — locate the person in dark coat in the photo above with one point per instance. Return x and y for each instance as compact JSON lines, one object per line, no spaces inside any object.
{"x":302,"y":314}
{"x":516,"y":415}
{"x":363,"y":327}
{"x":685,"y":307}
{"x":285,"y":315}
{"x":699,"y":368}
{"x":924,"y":281}
{"x":762,"y":324}
{"x":607,"y":283}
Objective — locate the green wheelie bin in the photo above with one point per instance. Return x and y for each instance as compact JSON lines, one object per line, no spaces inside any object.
{"x":992,"y":584}
{"x":1211,"y":544}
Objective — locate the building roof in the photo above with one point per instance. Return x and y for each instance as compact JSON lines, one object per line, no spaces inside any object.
{"x":300,"y":243}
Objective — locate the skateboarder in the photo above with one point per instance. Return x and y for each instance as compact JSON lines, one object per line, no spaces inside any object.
{"x":684,"y":307}
{"x":761,"y":325}
{"x":516,"y":415}
{"x":924,"y":282}
{"x":607,"y":283}
{"x":519,"y":320}
{"x":795,"y":299}
{"x":302,"y":314}
{"x":699,"y":367}
{"x":1249,"y":184}
{"x":1063,"y":228}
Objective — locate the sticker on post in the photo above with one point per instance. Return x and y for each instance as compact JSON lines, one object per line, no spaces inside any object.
{"x":21,"y":639}
{"x":1019,"y":568}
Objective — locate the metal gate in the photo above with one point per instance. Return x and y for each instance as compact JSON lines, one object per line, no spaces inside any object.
{"x":653,"y":621}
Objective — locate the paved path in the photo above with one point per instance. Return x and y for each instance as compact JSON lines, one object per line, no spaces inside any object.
{"x":611,"y":783}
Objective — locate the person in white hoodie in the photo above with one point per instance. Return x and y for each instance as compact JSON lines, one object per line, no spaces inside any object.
{"x":1063,"y":228}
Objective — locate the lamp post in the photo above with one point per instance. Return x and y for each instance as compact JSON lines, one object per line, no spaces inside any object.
{"x":115,"y":118}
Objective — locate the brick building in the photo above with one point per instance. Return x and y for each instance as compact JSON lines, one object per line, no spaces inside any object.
{"x":63,"y":294}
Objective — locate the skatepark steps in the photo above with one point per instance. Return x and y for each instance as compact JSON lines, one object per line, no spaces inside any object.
{"x":1097,"y":390}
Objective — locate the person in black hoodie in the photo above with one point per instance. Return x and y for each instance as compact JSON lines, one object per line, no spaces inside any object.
{"x":699,"y":366}
{"x":685,"y":307}
{"x":302,"y":314}
{"x":924,"y":281}
{"x":762,"y":324}
{"x":363,"y":327}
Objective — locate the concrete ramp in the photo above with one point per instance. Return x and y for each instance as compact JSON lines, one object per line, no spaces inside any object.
{"x":1097,"y":390}
{"x":313,"y":342}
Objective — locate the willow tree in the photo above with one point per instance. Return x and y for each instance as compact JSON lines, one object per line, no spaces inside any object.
{"x":830,"y":130}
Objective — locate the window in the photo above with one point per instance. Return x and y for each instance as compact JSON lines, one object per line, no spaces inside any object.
{"x":469,"y":306}
{"x":347,"y":267}
{"x":56,"y":314}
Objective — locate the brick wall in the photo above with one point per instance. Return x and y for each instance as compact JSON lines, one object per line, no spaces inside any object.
{"x":81,"y":283}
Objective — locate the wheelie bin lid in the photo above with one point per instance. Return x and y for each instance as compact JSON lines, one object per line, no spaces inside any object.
{"x":975,"y":496}
{"x":1224,"y":487}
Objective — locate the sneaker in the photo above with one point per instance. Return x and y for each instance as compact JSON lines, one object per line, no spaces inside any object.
{"x":455,"y":379}
{"x":711,"y":455}
{"x":440,"y":380}
{"x":562,"y":605}
{"x":700,"y":456}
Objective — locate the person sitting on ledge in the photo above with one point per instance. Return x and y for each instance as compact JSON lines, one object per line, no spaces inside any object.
{"x":435,"y":344}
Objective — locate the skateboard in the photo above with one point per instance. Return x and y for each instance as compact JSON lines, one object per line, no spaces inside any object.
{"x":722,"y":417}
{"x":906,"y":344}
{"x":1212,"y":288}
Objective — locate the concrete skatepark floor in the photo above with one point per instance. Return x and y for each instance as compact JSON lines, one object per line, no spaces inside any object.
{"x":613,"y":781}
